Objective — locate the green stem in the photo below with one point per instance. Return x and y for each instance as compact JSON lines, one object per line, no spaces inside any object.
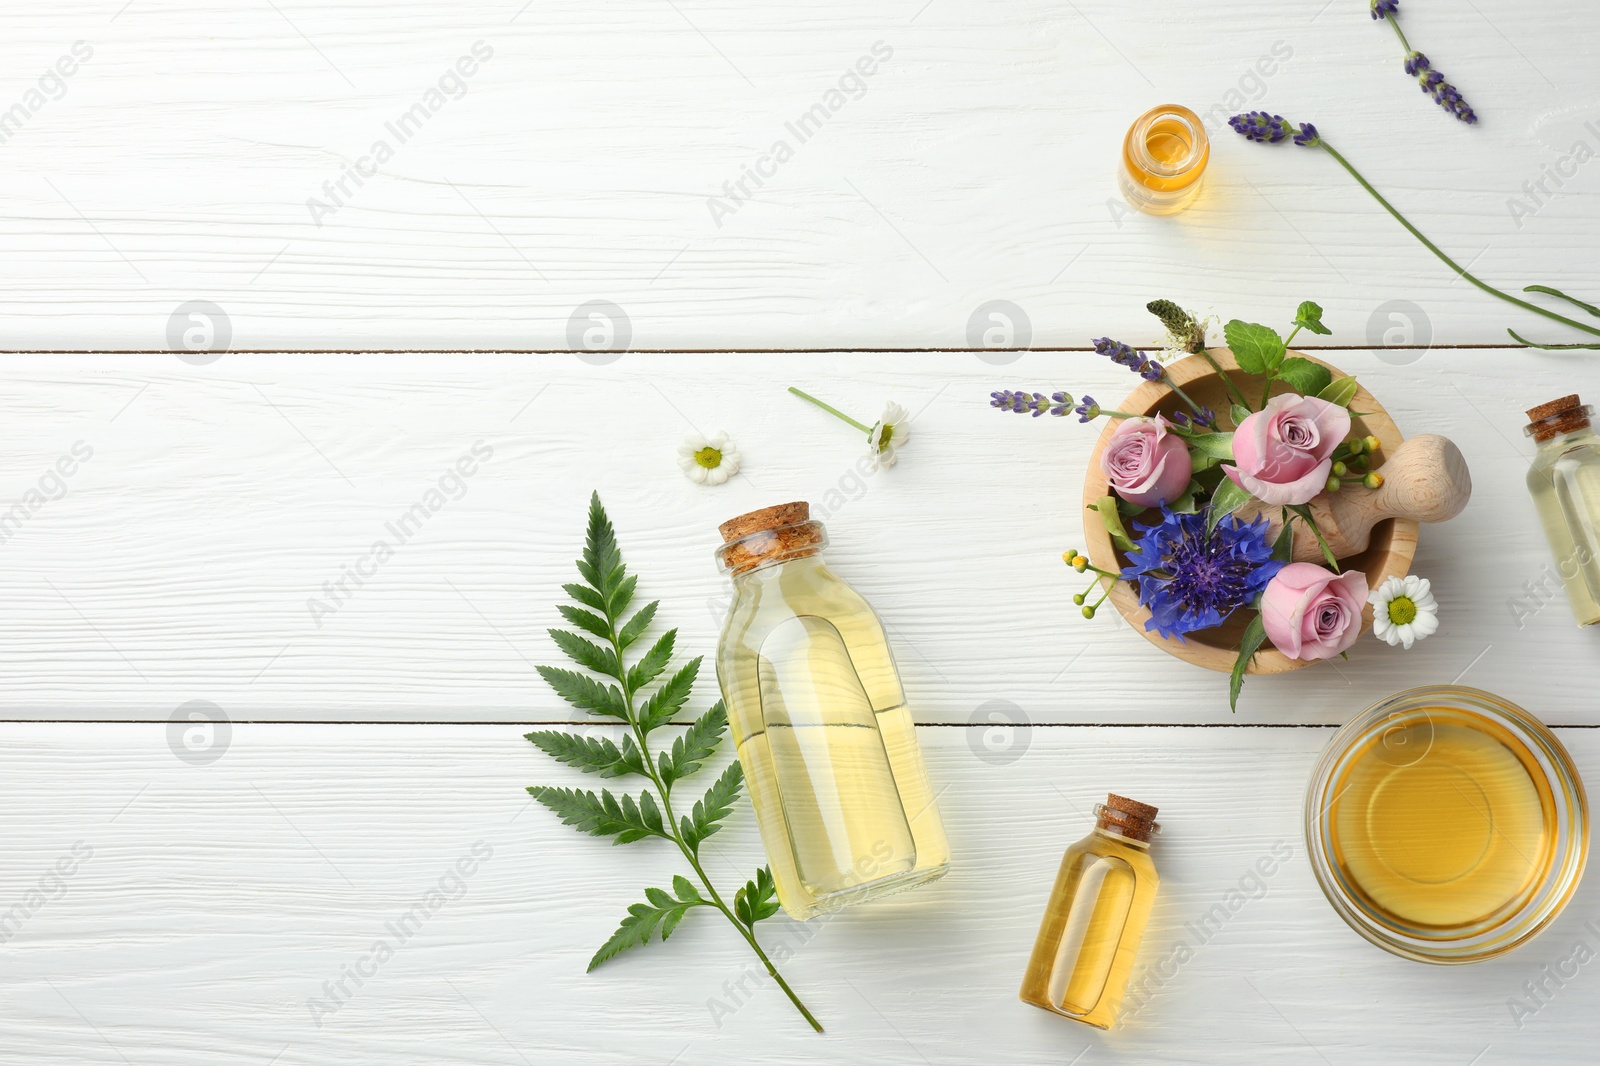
{"x":1184,"y":396}
{"x":1445,"y":259}
{"x":1390,"y":19}
{"x":676,"y":835}
{"x":834,"y":411}
{"x":1226,"y":380}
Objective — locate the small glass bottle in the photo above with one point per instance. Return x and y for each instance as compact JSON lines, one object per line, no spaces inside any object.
{"x":1096,"y":917}
{"x":820,"y":722}
{"x":1164,"y":157}
{"x":1565,"y":484}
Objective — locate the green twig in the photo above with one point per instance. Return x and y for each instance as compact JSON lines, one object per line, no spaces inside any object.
{"x":834,"y":411}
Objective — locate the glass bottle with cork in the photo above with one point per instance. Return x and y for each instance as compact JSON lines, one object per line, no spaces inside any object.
{"x":1096,"y":917}
{"x":1564,"y":481}
{"x":820,"y":721}
{"x":1164,"y":157}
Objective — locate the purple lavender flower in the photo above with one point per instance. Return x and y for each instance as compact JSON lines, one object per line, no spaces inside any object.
{"x":1131,"y":358}
{"x":1384,"y":8}
{"x":1308,"y":136}
{"x":1202,"y":419}
{"x":1432,"y":82}
{"x":1260,"y":126}
{"x":1034,"y":403}
{"x":1088,"y":410}
{"x":1193,"y":580}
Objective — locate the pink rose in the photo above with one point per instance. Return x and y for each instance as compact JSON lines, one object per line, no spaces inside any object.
{"x":1282,"y":454}
{"x":1312,"y":613}
{"x":1145,"y":464}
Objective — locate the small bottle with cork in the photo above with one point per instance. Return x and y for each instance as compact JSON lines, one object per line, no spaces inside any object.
{"x":1096,"y":917}
{"x":1564,"y":481}
{"x":820,"y":721}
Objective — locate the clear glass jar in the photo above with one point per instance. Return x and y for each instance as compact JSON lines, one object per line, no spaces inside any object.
{"x":1096,"y":917}
{"x":820,"y":721}
{"x":1564,"y":482}
{"x":1164,"y":158}
{"x":1446,"y":825}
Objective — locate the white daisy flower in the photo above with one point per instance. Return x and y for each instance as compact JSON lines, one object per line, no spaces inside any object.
{"x":1404,"y":610}
{"x":708,"y":462}
{"x":889,"y":434}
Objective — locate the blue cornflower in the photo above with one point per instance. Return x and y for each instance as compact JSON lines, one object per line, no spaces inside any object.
{"x":1131,"y":358}
{"x":1193,"y":580}
{"x":1035,"y":403}
{"x":1260,"y":126}
{"x":1432,"y":82}
{"x":1384,"y":8}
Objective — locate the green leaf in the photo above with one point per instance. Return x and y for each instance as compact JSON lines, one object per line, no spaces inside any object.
{"x":602,"y":559}
{"x":662,"y":913}
{"x":620,"y":595}
{"x":758,"y":898}
{"x":1258,"y":348}
{"x":594,"y":755}
{"x":604,"y":815}
{"x":1228,"y":498}
{"x":1112,"y":520}
{"x":1187,"y":502}
{"x":1238,"y":413}
{"x":586,"y":596}
{"x":1520,"y":339}
{"x":638,"y":624}
{"x":1309,"y":315}
{"x":587,"y":653}
{"x":1327,"y":553}
{"x":1304,"y":376}
{"x":708,"y":812}
{"x":698,"y":743}
{"x":669,"y":699}
{"x":1283,"y":547}
{"x":1216,"y":445}
{"x":1558,"y":294}
{"x":1340,"y":391}
{"x":585,"y":693}
{"x":586,"y":620}
{"x":1254,"y":634}
{"x":648,"y":668}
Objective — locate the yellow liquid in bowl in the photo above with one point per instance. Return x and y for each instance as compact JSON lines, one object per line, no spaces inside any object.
{"x":1442,"y":825}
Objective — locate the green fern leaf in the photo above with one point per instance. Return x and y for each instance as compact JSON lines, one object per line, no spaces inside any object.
{"x":697,"y":744}
{"x":586,"y":620}
{"x":594,"y":755}
{"x":604,"y":815}
{"x":585,"y":693}
{"x":669,"y":699}
{"x":644,"y":919}
{"x":706,"y":818}
{"x":758,"y":898}
{"x":637,"y":624}
{"x":586,"y":596}
{"x":650,"y":665}
{"x":587,"y":653}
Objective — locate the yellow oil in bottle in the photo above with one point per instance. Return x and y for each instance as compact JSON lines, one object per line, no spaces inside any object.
{"x":1095,"y":920}
{"x":1564,"y":481}
{"x":828,"y":745}
{"x":1164,"y":156}
{"x":1440,"y":825}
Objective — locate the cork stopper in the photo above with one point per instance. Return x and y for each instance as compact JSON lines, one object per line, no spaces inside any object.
{"x":1126,"y":817}
{"x":1565,"y":415}
{"x":772,"y":534}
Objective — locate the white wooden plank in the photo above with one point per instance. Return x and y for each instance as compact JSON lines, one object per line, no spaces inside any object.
{"x":218,"y":899}
{"x":220,"y":499}
{"x":976,"y":164}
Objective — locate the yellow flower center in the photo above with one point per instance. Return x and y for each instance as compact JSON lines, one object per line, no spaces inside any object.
{"x":885,"y":437}
{"x":708,"y":457}
{"x":1402,"y":611}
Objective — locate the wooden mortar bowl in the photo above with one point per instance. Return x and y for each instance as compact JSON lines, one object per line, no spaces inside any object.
{"x":1389,"y":553}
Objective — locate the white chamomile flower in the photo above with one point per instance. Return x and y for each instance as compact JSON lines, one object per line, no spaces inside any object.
{"x":708,"y":462}
{"x":1404,"y":610}
{"x":889,"y":434}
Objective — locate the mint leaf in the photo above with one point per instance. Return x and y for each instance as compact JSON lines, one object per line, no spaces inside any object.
{"x":706,"y":818}
{"x":604,"y":815}
{"x":593,"y":755}
{"x":1254,"y":634}
{"x":698,"y":743}
{"x":1341,"y":391}
{"x":1304,"y":376}
{"x":1309,"y":315}
{"x":1258,"y":348}
{"x":1228,"y":498}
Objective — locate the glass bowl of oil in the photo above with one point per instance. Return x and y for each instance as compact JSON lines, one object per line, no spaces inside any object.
{"x":1446,"y":825}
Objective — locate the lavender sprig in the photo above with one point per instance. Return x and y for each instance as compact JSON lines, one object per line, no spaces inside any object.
{"x":1432,"y":82}
{"x":1310,"y":138}
{"x":1132,"y":358}
{"x":1036,"y":403}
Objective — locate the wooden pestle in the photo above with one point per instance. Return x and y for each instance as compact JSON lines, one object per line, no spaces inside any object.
{"x":1425,"y":479}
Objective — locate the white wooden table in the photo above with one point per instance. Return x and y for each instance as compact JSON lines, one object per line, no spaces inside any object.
{"x":214,"y":892}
